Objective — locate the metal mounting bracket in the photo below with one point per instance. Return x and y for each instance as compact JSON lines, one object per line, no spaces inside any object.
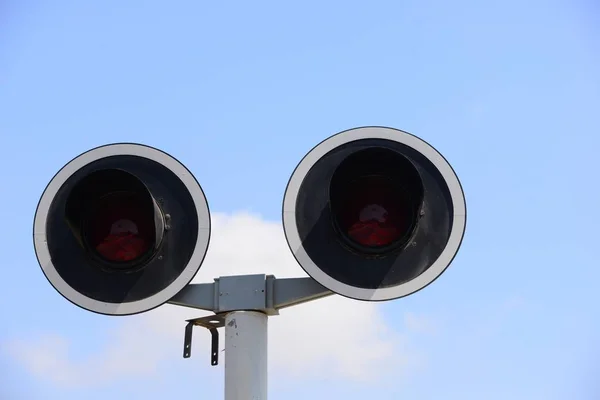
{"x":211,"y":322}
{"x":263,"y":293}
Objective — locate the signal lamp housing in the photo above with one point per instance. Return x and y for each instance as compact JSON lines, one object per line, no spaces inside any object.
{"x":374,"y":213}
{"x":121,"y":229}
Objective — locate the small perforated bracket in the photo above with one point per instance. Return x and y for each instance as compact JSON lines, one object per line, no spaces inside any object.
{"x":212,"y":322}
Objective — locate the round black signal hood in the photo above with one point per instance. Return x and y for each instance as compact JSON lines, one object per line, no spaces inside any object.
{"x":374,"y":213}
{"x":121,"y":229}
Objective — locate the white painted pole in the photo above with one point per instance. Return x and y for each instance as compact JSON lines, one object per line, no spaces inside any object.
{"x":246,"y":338}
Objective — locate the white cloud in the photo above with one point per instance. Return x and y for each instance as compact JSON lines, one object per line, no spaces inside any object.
{"x":346,"y":339}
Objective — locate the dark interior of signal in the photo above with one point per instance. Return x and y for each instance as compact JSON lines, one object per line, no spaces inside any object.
{"x":81,"y":269}
{"x":380,"y":191}
{"x":105,"y":196}
{"x":419,"y":186}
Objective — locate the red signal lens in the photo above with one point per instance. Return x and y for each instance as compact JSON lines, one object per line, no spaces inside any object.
{"x":121,"y":229}
{"x":373,"y":233}
{"x":122,"y":247}
{"x":375,"y":212}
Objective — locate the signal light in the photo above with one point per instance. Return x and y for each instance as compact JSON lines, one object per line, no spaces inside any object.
{"x":121,"y":229}
{"x":374,"y":213}
{"x":371,"y":213}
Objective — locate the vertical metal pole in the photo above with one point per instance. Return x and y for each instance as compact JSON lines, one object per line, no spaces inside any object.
{"x":246,"y":340}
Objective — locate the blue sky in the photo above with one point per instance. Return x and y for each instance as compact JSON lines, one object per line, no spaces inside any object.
{"x":508,"y":91}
